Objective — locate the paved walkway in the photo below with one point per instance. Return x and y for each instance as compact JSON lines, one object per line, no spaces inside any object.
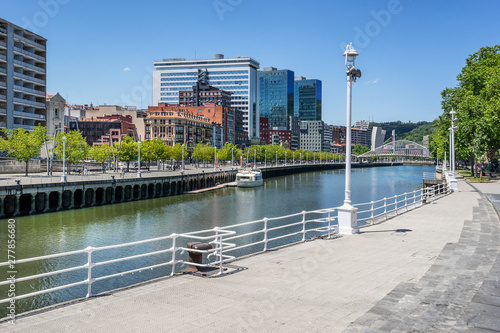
{"x":432,"y":269}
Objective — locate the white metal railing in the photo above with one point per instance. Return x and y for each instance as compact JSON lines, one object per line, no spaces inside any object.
{"x":239,"y":239}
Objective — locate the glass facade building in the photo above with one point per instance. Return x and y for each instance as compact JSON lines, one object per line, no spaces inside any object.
{"x":235,"y":75}
{"x":276,"y":96}
{"x":307,"y":96}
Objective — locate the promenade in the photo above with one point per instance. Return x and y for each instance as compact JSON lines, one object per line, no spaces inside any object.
{"x":434,"y":268}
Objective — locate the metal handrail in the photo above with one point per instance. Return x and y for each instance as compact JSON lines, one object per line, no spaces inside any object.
{"x":222,"y":238}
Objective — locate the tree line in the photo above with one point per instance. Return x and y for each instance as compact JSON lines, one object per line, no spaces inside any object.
{"x":24,"y":145}
{"x":476,"y":101}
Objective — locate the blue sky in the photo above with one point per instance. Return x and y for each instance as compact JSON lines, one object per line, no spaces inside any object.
{"x":102,"y":52}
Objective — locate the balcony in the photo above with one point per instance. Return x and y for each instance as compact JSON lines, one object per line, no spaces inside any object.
{"x":3,"y":70}
{"x":29,"y":41}
{"x":28,"y":102}
{"x":3,"y":98}
{"x":28,"y":54}
{"x":3,"y":84}
{"x":3,"y":45}
{"x":3,"y":31}
{"x":28,"y":78}
{"x":26,"y":127}
{"x":29,"y":90}
{"x":3,"y":58}
{"x":3,"y":111}
{"x":26,"y":65}
{"x":27,"y":115}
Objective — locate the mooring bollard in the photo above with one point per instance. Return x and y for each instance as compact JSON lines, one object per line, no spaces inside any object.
{"x":196,"y":257}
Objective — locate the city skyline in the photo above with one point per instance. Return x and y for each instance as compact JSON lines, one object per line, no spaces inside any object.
{"x":102,"y":53}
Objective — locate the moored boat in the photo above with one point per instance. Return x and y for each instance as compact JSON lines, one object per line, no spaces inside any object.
{"x":249,"y":178}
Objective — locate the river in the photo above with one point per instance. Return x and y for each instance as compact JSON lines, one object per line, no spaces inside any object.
{"x":51,"y":233}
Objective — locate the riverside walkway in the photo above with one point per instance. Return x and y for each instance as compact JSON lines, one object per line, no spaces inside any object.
{"x":434,"y":268}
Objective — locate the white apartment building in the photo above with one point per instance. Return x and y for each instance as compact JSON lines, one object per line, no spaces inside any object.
{"x":236,"y":75}
{"x":312,"y":135}
{"x":22,"y":77}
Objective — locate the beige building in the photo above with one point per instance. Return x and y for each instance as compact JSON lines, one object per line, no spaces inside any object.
{"x":138,"y":116}
{"x":55,"y":112}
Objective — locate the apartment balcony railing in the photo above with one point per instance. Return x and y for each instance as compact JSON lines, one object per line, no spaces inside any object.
{"x":3,"y":84}
{"x":26,"y":127}
{"x":3,"y":111}
{"x":29,"y":41}
{"x":2,"y":44}
{"x":3,"y":31}
{"x":2,"y":57}
{"x":29,"y":115}
{"x":30,"y":66}
{"x":3,"y":70}
{"x":29,"y":78}
{"x":29,"y":54}
{"x":30,"y":91}
{"x":3,"y":98}
{"x":28,"y":102}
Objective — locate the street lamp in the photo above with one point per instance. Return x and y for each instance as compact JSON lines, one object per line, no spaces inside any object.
{"x":254,"y":157}
{"x":232,"y":157}
{"x":347,"y":214}
{"x":276,"y":158}
{"x":453,"y":182}
{"x":265,"y":158}
{"x":182,"y":168}
{"x":63,"y":177}
{"x":215,"y":159}
{"x":139,"y":175}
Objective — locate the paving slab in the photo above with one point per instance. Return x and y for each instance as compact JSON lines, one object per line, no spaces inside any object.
{"x":316,"y":286}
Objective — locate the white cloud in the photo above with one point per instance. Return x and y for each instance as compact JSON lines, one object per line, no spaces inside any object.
{"x":126,"y":69}
{"x":374,"y":81}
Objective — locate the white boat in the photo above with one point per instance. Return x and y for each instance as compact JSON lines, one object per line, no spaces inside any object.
{"x":249,"y":178}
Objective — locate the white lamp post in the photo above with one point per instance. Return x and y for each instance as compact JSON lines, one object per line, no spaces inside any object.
{"x":276,"y":158}
{"x":232,"y":157}
{"x":453,"y":182}
{"x":63,"y":177}
{"x":139,"y":175}
{"x":215,"y":159}
{"x":347,"y":214}
{"x":182,"y":164}
{"x":255,"y":158}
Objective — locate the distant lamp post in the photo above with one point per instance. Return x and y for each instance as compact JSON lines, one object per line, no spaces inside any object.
{"x":452,"y":180}
{"x":139,"y":175}
{"x":276,"y":158}
{"x":215,"y":159}
{"x":232,"y":157}
{"x":347,"y":214}
{"x":255,"y":158}
{"x":63,"y":177}
{"x":265,"y":158}
{"x":182,"y":164}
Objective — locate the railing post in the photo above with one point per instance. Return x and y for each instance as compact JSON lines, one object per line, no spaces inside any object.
{"x":385,"y":208}
{"x":303,"y":225}
{"x":218,"y":240}
{"x":174,"y":251}
{"x":372,"y":213}
{"x":265,"y":233}
{"x":396,"y":203}
{"x":90,"y":264}
{"x":329,"y":225}
{"x":406,"y":201}
{"x":414,"y":198}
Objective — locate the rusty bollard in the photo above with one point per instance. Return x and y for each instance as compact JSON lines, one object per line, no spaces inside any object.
{"x":196,"y":257}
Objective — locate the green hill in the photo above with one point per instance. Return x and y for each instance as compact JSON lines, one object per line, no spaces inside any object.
{"x":406,"y":131}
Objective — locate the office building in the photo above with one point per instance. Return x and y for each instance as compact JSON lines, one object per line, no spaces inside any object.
{"x":312,"y":135}
{"x":294,"y":126}
{"x":307,"y":96}
{"x":22,"y":77}
{"x":276,"y":96}
{"x":327,"y":137}
{"x":138,"y":116}
{"x":236,"y":75}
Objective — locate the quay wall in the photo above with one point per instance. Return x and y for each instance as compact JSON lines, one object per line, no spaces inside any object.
{"x":29,"y":199}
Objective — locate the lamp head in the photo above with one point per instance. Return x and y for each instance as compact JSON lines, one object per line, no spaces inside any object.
{"x":350,"y":55}
{"x":64,"y":138}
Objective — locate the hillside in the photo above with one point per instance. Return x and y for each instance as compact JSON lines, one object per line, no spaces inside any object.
{"x":406,"y":131}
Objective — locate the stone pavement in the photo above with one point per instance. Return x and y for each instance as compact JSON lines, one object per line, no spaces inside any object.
{"x":434,"y":268}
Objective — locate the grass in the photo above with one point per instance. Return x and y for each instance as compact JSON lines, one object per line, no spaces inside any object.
{"x":468,"y":177}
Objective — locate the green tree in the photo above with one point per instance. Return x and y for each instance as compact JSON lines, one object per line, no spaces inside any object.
{"x":152,"y":150}
{"x":176,"y":152}
{"x":101,"y":153}
{"x":476,"y":100}
{"x":128,"y":150}
{"x":74,"y":150}
{"x":23,"y":145}
{"x":360,"y":149}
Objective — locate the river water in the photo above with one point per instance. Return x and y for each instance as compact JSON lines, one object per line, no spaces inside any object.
{"x":132,"y":221}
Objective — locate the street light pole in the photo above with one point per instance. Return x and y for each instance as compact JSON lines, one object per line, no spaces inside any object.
{"x":182,"y":164}
{"x":452,"y":180}
{"x":347,"y":214}
{"x":139,"y":175}
{"x":232,"y":157}
{"x":63,"y":177}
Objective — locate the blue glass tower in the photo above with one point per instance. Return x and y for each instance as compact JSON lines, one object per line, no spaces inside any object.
{"x":307,"y":95}
{"x":276,"y":96}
